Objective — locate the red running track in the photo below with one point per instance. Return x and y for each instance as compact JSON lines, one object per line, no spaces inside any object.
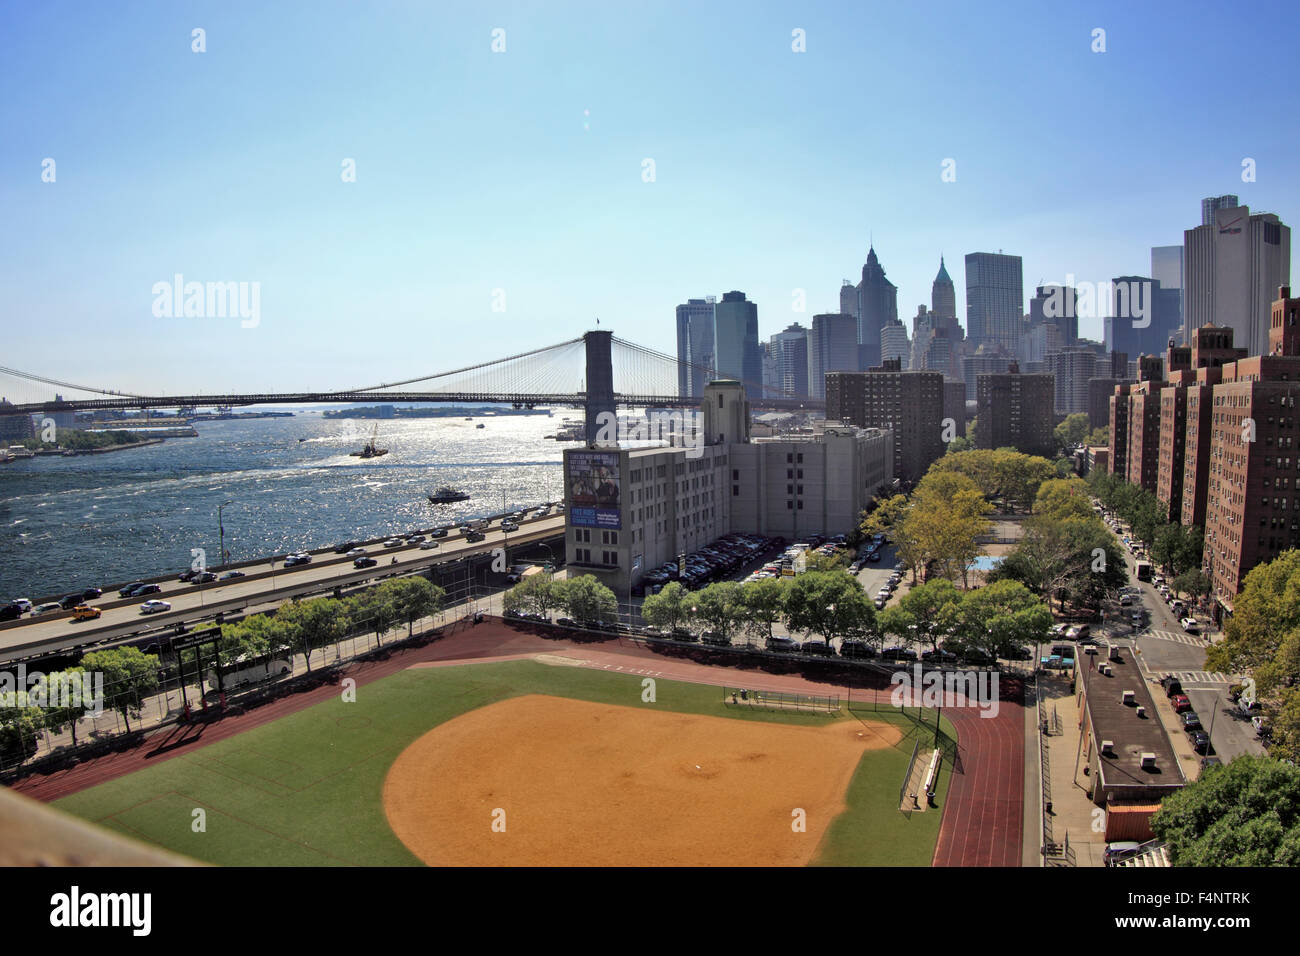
{"x":982,"y":816}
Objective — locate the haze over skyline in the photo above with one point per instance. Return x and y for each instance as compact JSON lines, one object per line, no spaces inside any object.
{"x":522,"y":170}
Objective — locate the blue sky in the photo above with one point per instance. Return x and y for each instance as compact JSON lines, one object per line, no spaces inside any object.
{"x":478,"y":171}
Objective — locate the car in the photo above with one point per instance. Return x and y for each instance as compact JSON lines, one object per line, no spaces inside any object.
{"x":1126,"y":599}
{"x":124,"y":591}
{"x":293,"y":560}
{"x":715,"y":639}
{"x":1135,"y":618}
{"x":1180,"y":702}
{"x":345,"y":547}
{"x":1119,"y":851}
{"x":874,"y":557}
{"x":880,"y":603}
{"x":428,"y":545}
{"x":438,"y":533}
{"x":11,"y":612}
{"x":782,"y":645}
{"x":187,"y":575}
{"x":1190,"y":626}
{"x":856,"y":649}
{"x":1059,"y":630}
{"x":475,"y":536}
{"x":203,"y":577}
{"x":364,"y":562}
{"x":46,"y":608}
{"x":414,"y":538}
{"x":154,"y":607}
{"x":1013,"y":653}
{"x":84,"y":612}
{"x":1172,"y":686}
{"x":1191,"y":721}
{"x":1087,"y":642}
{"x":393,"y":543}
{"x":355,"y":553}
{"x":231,"y":575}
{"x":69,"y":601}
{"x":1201,"y":742}
{"x":818,"y":649}
{"x":978,"y":658}
{"x":939,"y":657}
{"x":145,"y":589}
{"x":509,"y":526}
{"x":90,"y":594}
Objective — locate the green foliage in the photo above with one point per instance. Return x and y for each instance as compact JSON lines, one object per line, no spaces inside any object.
{"x":535,"y":594}
{"x":309,"y":625}
{"x":669,"y":609}
{"x":829,"y":603}
{"x":589,"y":601}
{"x":129,"y":677}
{"x":1245,"y":813}
{"x":764,"y":604}
{"x":719,"y":608}
{"x":1001,"y":615}
{"x":1072,"y":431}
{"x":925,"y":614}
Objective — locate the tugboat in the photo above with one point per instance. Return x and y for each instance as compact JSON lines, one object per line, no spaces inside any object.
{"x":447,"y":495}
{"x":371,"y":450}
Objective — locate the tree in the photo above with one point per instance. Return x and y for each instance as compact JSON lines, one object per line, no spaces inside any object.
{"x":1098,"y":437}
{"x":129,"y":677}
{"x":1001,"y":615}
{"x":946,"y":518}
{"x":414,"y":598}
{"x":1244,"y":813}
{"x":829,"y":603}
{"x":1194,"y":583}
{"x":720,"y":608}
{"x":18,"y":729}
{"x":924,"y":614}
{"x":669,"y":608}
{"x":764,"y":604}
{"x":376,"y":609}
{"x":1072,"y":431}
{"x":535,"y":594}
{"x":310,"y":625}
{"x":1063,"y":498}
{"x":68,"y":697}
{"x":588,"y":601}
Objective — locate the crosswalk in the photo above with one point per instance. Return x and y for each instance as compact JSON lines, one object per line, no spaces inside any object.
{"x":1194,"y":640}
{"x":1195,"y":677}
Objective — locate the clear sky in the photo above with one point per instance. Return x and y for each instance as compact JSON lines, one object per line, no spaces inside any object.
{"x":523,"y":170}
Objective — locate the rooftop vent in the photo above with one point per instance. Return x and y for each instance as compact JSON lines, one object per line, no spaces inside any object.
{"x":1128,"y":698}
{"x":1148,"y":761}
{"x":1142,"y":712}
{"x":1108,"y":748}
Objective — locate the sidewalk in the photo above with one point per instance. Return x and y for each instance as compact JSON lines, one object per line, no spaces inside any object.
{"x":1074,"y":815}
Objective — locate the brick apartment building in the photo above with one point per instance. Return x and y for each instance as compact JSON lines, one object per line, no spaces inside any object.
{"x":910,"y":403}
{"x":1137,"y":425}
{"x":1016,"y":410}
{"x":1211,"y":349}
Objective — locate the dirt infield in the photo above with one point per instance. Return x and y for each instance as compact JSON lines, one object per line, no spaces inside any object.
{"x":585,"y":784}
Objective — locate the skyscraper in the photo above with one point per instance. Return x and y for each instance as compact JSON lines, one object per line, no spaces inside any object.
{"x":1233,"y":269}
{"x":832,"y":347}
{"x":1212,"y":205}
{"x":694,"y":345}
{"x":894,"y":344}
{"x":943,"y":294}
{"x":995,"y":299}
{"x":1167,"y":269}
{"x":790,"y":350}
{"x":877,"y":307}
{"x":737,"y":353}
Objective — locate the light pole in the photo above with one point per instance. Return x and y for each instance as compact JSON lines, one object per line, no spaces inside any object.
{"x":221,"y":533}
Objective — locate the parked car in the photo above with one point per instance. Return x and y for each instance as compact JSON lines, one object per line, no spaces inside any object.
{"x":818,"y":648}
{"x":1191,"y":721}
{"x":1201,"y":742}
{"x":856,"y":649}
{"x":715,"y":639}
{"x":782,"y":645}
{"x":1172,"y":686}
{"x":84,"y":612}
{"x":1180,"y":702}
{"x":154,"y":607}
{"x":1190,"y":625}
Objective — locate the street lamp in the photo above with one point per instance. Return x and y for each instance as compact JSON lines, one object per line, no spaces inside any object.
{"x":221,"y":532}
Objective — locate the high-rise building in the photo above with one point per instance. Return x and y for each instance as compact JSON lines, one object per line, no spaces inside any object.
{"x":791,"y":355}
{"x":1015,"y":410}
{"x":1232,"y":270}
{"x":694,"y":346}
{"x":1143,"y":316}
{"x":987,"y":361}
{"x":1167,"y":269}
{"x":737,"y":353}
{"x":832,"y":347}
{"x":877,"y":307}
{"x":894,"y":343}
{"x":995,"y":299}
{"x":910,"y":404}
{"x":1212,"y":205}
{"x":1056,"y":305}
{"x":1072,"y":368}
{"x":943,"y":294}
{"x":14,"y":427}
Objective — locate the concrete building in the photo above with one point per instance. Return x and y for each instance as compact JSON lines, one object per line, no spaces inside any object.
{"x":1015,"y":410}
{"x":832,"y":347}
{"x":954,"y":405}
{"x":1143,"y":316}
{"x":694,"y":345}
{"x":1057,"y":306}
{"x":790,"y":352}
{"x":1233,"y":268}
{"x":737,"y":353}
{"x":877,"y":307}
{"x":908,"y":404}
{"x":1072,"y":368}
{"x":986,"y":361}
{"x":995,"y":300}
{"x":14,"y":427}
{"x":1167,"y":269}
{"x":630,"y":509}
{"x":894,"y":343}
{"x":1211,"y":205}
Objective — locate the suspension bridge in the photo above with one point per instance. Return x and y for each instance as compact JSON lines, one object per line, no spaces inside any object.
{"x":596,"y":371}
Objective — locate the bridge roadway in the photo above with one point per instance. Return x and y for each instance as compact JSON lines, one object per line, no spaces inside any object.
{"x":265,"y":585}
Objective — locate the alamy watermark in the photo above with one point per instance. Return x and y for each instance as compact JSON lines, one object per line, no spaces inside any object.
{"x":947,"y":689}
{"x":1129,"y":299}
{"x":208,"y":300}
{"x":682,"y":428}
{"x":74,"y":690}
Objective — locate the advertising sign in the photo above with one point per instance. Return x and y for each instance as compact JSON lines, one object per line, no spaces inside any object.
{"x":593,"y":484}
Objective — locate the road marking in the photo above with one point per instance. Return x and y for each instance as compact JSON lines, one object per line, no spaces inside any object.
{"x":1195,"y":677}
{"x":1192,"y":640}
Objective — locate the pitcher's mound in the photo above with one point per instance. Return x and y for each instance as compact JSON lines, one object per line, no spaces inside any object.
{"x":549,"y":781}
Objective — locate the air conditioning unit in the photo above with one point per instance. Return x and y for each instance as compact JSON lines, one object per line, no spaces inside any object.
{"x":1128,"y":698}
{"x":1148,"y":761}
{"x":1108,"y":748}
{"x":1105,"y":669}
{"x":1142,"y":712}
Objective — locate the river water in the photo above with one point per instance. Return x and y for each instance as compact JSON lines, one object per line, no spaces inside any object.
{"x":93,"y":520}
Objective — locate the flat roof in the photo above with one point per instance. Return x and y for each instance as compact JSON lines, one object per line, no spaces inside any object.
{"x":1112,"y":719}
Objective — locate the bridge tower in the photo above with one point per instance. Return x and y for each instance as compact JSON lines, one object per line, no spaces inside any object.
{"x":600,"y":380}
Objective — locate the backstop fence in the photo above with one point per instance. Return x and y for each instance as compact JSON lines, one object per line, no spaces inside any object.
{"x":780,"y":700}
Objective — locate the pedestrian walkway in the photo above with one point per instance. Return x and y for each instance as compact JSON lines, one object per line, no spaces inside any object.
{"x":1193,"y":640}
{"x":1194,"y":677}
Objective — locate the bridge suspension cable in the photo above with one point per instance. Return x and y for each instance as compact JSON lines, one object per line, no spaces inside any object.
{"x":29,"y":376}
{"x":474,"y":368}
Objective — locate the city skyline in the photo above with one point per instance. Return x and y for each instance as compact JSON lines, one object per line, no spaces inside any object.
{"x":493,"y":191}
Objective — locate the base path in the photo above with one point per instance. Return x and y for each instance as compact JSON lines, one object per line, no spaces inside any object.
{"x":982,"y":812}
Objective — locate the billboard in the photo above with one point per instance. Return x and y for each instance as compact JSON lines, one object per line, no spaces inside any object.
{"x":593,"y":484}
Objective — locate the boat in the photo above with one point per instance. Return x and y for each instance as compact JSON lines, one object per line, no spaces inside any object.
{"x":371,"y":450}
{"x":480,"y":425}
{"x":446,"y":495}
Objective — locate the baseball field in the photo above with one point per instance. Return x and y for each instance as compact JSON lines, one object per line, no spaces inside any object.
{"x":523,"y":763}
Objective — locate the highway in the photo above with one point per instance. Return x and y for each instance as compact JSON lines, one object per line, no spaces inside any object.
{"x":266,"y":583}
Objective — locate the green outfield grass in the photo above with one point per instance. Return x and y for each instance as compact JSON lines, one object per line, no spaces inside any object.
{"x":305,"y":790}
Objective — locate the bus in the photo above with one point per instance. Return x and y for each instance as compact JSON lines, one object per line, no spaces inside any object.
{"x":1143,"y":570}
{"x":244,"y":671}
